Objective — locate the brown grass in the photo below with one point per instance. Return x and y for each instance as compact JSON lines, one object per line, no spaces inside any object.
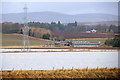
{"x":69,"y":35}
{"x":60,"y":73}
{"x":16,"y":40}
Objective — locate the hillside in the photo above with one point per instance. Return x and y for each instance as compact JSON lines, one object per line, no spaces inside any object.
{"x":54,"y":16}
{"x":16,"y":40}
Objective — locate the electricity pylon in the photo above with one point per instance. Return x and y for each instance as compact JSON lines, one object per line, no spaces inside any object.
{"x":25,"y":31}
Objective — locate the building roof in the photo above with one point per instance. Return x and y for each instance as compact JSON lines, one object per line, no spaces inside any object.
{"x":84,"y":43}
{"x":93,"y":30}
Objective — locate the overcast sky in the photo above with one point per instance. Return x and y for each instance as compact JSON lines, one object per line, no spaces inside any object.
{"x":62,"y":7}
{"x":60,"y":0}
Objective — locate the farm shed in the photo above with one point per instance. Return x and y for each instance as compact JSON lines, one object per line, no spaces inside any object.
{"x":84,"y":44}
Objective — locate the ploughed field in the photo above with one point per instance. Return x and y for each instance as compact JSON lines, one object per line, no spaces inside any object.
{"x":77,"y":35}
{"x":61,"y":73}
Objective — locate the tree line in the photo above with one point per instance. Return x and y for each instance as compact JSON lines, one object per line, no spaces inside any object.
{"x":59,"y":27}
{"x":37,"y":29}
{"x":37,"y":32}
{"x":8,"y":28}
{"x":73,"y":27}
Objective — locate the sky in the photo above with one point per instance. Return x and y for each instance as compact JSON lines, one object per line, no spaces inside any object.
{"x":60,"y":0}
{"x":71,"y":8}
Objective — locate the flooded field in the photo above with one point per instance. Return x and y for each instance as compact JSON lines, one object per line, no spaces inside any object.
{"x":58,"y":60}
{"x":89,"y":50}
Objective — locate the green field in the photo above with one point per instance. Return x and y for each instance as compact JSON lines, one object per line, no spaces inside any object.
{"x":17,"y":40}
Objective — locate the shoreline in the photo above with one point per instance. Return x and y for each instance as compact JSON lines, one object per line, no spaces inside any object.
{"x":52,"y":51}
{"x":62,"y":47}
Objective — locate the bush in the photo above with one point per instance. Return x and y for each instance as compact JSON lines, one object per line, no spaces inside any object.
{"x":109,"y":42}
{"x":113,"y":42}
{"x":46,"y":36}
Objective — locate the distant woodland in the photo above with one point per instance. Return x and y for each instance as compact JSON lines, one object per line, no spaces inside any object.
{"x":59,"y":30}
{"x":73,"y":27}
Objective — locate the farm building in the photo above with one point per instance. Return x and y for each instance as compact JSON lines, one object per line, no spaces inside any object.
{"x":61,"y":43}
{"x":88,"y":31}
{"x":93,"y":31}
{"x":50,"y":44}
{"x":74,"y":44}
{"x":84,"y":44}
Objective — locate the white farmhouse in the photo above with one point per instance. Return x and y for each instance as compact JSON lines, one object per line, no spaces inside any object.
{"x":93,"y":31}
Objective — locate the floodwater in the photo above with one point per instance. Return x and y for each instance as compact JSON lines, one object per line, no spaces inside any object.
{"x":57,"y":60}
{"x":101,"y":50}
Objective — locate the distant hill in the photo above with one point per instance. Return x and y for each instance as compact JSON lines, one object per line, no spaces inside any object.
{"x":54,"y":16}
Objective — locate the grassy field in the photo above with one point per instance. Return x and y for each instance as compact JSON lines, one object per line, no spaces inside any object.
{"x":16,"y":40}
{"x":61,"y":73}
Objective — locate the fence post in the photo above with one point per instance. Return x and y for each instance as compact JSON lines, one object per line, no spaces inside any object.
{"x":62,"y":68}
{"x":72,"y":68}
{"x":53,"y":68}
